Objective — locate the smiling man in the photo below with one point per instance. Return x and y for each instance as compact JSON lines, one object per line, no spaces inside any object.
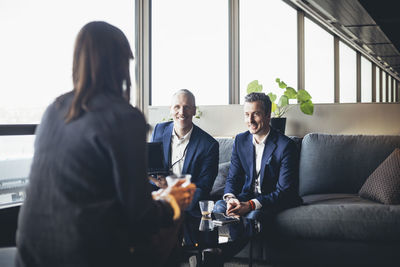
{"x":263,"y":174}
{"x":187,"y":148}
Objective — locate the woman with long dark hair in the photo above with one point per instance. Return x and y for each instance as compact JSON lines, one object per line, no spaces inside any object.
{"x":88,"y":202}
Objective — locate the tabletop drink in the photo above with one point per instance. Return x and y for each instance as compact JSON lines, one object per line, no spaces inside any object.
{"x":206,"y":207}
{"x":173,"y":179}
{"x":206,"y":224}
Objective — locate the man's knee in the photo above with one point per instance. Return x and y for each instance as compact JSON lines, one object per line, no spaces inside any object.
{"x":220,"y":206}
{"x":254,"y":215}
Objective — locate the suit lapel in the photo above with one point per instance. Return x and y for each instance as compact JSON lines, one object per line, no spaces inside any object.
{"x":167,"y":135}
{"x":269,"y":148}
{"x":191,"y":148}
{"x":249,"y":156}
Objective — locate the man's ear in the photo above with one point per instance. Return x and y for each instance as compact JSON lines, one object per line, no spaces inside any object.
{"x":194,"y":111}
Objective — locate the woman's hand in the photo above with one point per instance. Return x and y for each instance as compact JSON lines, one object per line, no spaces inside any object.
{"x":159,"y":181}
{"x":183,"y":195}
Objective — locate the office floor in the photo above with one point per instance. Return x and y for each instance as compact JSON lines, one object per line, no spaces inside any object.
{"x":238,"y":263}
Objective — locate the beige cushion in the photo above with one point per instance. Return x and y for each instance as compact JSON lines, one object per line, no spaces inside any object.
{"x":383,"y":185}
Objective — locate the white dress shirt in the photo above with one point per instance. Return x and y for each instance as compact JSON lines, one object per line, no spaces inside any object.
{"x":178,"y":151}
{"x":259,"y":150}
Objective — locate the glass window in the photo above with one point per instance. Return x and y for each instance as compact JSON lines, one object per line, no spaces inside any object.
{"x":36,"y":50}
{"x":190,"y":50}
{"x":319,"y":63}
{"x":268,"y":45}
{"x":348,"y":74}
{"x":389,"y":97}
{"x":384,"y":77}
{"x":378,"y":84}
{"x":366,"y":80}
{"x":393,"y":99}
{"x":15,"y":161}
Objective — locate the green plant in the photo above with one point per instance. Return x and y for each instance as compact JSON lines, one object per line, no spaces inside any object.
{"x":280,"y":108}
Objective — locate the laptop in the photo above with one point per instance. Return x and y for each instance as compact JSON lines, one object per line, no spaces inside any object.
{"x":155,"y":159}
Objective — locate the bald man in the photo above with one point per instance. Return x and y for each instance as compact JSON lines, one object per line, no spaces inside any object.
{"x":187,"y":148}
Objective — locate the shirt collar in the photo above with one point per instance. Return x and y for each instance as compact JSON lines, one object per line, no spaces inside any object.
{"x":186,"y":137}
{"x":262,"y":141}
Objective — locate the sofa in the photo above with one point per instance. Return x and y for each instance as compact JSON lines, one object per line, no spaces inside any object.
{"x":334,"y":226}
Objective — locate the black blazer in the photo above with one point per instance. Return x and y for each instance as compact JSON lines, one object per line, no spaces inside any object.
{"x":88,"y":200}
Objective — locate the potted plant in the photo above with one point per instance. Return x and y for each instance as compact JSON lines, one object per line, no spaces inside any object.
{"x":279,"y":109}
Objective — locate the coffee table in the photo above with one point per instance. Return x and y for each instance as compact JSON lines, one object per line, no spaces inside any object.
{"x":200,"y":234}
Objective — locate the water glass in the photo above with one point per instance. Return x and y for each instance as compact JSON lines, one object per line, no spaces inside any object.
{"x":206,"y":207}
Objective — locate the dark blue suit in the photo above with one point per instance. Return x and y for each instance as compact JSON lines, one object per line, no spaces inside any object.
{"x":278,"y":174}
{"x":201,"y":160}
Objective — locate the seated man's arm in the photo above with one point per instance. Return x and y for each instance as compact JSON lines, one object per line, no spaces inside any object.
{"x":155,"y":184}
{"x":286,"y":191}
{"x":208,"y":173}
{"x":236,"y":175}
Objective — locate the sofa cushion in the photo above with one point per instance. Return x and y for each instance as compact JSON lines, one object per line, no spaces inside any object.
{"x":341,"y":163}
{"x":383,"y":184}
{"x":335,"y":199}
{"x":219,"y":184}
{"x":340,"y":217}
{"x":225,"y":149}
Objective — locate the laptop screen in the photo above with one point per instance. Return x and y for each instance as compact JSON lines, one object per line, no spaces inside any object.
{"x":156,"y":159}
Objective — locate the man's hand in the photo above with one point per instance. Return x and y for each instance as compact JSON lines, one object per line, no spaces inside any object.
{"x":236,"y":208}
{"x":231,"y":205}
{"x":159,"y":181}
{"x":183,"y":195}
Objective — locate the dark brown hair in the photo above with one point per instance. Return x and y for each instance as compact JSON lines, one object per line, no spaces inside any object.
{"x":263,"y":98}
{"x":101,"y":64}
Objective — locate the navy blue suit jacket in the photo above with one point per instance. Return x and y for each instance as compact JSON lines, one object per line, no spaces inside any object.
{"x":201,"y":160}
{"x":278,"y":174}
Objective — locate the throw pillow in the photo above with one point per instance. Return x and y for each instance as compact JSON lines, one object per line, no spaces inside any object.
{"x":383,"y":184}
{"x":219,"y":184}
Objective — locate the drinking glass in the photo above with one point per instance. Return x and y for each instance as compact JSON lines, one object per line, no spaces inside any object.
{"x":206,"y":224}
{"x":206,"y":207}
{"x":173,"y":179}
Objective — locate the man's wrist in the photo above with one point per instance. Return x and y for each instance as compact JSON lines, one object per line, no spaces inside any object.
{"x":252,"y":205}
{"x":229,"y":197}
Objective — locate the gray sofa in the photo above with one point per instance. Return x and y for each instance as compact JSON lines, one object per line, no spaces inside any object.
{"x":334,"y":226}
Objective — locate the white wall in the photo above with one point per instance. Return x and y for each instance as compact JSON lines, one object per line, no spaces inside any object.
{"x":360,"y":118}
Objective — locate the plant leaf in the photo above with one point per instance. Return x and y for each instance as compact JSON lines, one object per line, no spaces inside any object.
{"x":272,"y":97}
{"x":307,"y":107}
{"x":273,"y":107}
{"x":303,"y":96}
{"x":254,"y":86}
{"x":277,"y":80}
{"x":283,"y":101}
{"x":290,"y":93}
{"x":198,"y":113}
{"x":282,"y":85}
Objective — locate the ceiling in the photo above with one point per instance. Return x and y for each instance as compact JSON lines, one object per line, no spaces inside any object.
{"x":372,"y":24}
{"x":386,"y":14}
